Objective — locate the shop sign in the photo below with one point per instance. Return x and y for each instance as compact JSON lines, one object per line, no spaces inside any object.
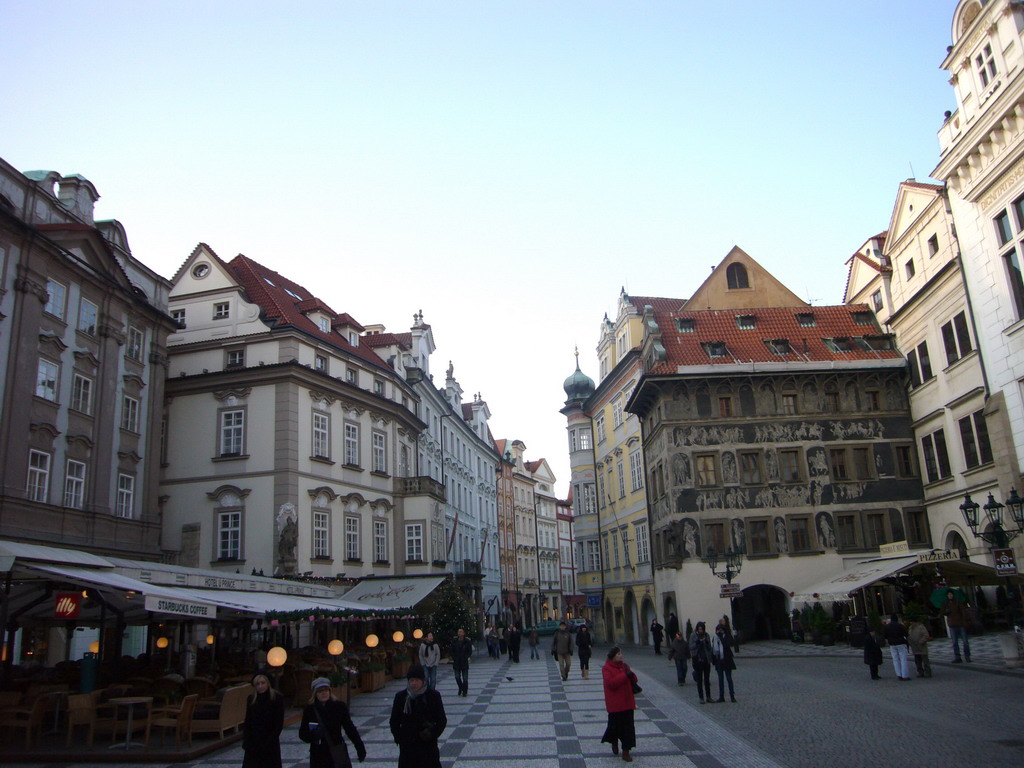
{"x":941,"y":556}
{"x":896,"y":548}
{"x":66,"y":605}
{"x":1005,"y":563}
{"x":594,"y":601}
{"x":180,"y":607}
{"x":731,"y":590}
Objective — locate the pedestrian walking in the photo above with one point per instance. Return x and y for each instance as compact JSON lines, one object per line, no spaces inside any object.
{"x":515,"y":641}
{"x":261,"y":731}
{"x":955,"y":613}
{"x":657,"y":635}
{"x":584,"y":649}
{"x":430,"y":657}
{"x":533,"y":639}
{"x":896,"y":636}
{"x":734,"y":635}
{"x":491,"y":638}
{"x":502,"y":641}
{"x":722,"y":656}
{"x":461,"y":651}
{"x":700,"y":660}
{"x":561,"y":649}
{"x":672,"y":626}
{"x":417,"y":722}
{"x":873,"y":652}
{"x":619,"y":699}
{"x":918,"y":637}
{"x":323,"y":720}
{"x":679,"y":652}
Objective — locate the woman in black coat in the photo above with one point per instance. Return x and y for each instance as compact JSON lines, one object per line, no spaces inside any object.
{"x":417,"y":722}
{"x":584,"y":649}
{"x":322,"y":722}
{"x":873,"y":653}
{"x":264,"y":719}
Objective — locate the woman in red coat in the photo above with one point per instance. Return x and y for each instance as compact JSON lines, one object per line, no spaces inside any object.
{"x":620,"y":703}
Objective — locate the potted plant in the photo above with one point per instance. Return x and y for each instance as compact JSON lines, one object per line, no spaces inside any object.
{"x":400,"y":663}
{"x":372,"y":677}
{"x":341,"y":687}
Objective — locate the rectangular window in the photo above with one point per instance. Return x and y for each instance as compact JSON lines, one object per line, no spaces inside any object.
{"x":56,"y":298}
{"x":617,"y":413}
{"x":321,"y":435}
{"x":321,"y":535}
{"x":350,"y":375}
{"x":876,"y":301}
{"x":800,"y":534}
{"x":918,"y":532}
{"x":985,"y":64}
{"x":232,"y":432}
{"x":725,"y":407}
{"x":636,"y":471}
{"x":806,"y":320}
{"x":714,"y":536}
{"x":74,"y":485}
{"x":38,"y":480}
{"x":872,"y":400}
{"x":585,"y":442}
{"x":599,"y":425}
{"x":229,"y":535}
{"x":746,"y":322}
{"x":235,"y":358}
{"x":1016,"y":280}
{"x":920,"y":365}
{"x":380,"y":541}
{"x":789,"y":404}
{"x":863,"y":464}
{"x":910,"y":269}
{"x":714,"y":348}
{"x":831,"y":402}
{"x":414,"y":542}
{"x":129,"y":414}
{"x":686,"y":325}
{"x":352,"y":551}
{"x":837,"y":464}
{"x":936,"y":459}
{"x":707,"y":474}
{"x":643,"y":547}
{"x":221,"y":310}
{"x":789,"y":465}
{"x":321,"y":363}
{"x":352,"y":444}
{"x":847,"y":536}
{"x":955,"y":338}
{"x":125,"y":496}
{"x":46,"y":380}
{"x":178,"y":316}
{"x":593,"y":556}
{"x":759,"y":538}
{"x":133,"y":345}
{"x":875,"y":530}
{"x":81,"y":394}
{"x":933,"y":245}
{"x":905,"y":461}
{"x":380,"y":452}
{"x":974,"y":438}
{"x":88,"y":313}
{"x":615,"y":548}
{"x":378,"y":387}
{"x":750,"y":468}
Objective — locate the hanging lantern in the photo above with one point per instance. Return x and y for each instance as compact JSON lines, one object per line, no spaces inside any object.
{"x":94,"y":647}
{"x":398,"y":637}
{"x":277,"y":656}
{"x":335,"y":647}
{"x":210,"y":639}
{"x":162,"y":642}
{"x":417,"y":633}
{"x":274,"y":622}
{"x":312,"y":618}
{"x":371,"y":641}
{"x":336,"y":619}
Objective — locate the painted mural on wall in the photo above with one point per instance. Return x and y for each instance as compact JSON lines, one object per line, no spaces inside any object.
{"x":826,"y":530}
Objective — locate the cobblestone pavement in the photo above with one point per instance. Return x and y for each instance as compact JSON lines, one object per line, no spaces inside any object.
{"x":797,"y":708}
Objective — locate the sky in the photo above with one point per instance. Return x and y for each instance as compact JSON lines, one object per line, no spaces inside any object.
{"x":505,"y":167}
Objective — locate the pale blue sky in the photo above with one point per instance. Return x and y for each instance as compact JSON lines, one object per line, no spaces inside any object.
{"x":505,"y":167}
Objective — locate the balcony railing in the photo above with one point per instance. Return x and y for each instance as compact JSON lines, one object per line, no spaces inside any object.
{"x":419,"y":486}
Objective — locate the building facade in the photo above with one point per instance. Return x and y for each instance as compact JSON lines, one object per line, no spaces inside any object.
{"x":84,"y":351}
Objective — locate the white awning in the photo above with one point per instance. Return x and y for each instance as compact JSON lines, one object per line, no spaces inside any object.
{"x":390,"y":594}
{"x":838,"y":588}
{"x":25,"y":552}
{"x":260,"y":603}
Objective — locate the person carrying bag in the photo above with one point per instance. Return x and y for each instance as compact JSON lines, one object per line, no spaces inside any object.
{"x":322,"y":722}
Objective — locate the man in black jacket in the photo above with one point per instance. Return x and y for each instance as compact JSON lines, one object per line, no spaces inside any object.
{"x":417,"y":722}
{"x":461,"y":650}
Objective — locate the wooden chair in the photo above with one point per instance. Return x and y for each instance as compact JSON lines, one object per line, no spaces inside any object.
{"x":82,"y":711}
{"x":27,"y":719}
{"x":142,"y":716}
{"x":202,"y":686}
{"x":303,"y":679}
{"x":10,"y":699}
{"x":179,"y":718}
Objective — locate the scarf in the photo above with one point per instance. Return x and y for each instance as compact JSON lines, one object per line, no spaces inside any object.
{"x":410,"y":695}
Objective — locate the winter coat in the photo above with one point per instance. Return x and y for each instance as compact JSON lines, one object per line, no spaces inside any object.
{"x":895,"y":633}
{"x":416,"y":734}
{"x":955,"y":613}
{"x":261,"y":740}
{"x":679,"y":650}
{"x":460,"y":652}
{"x":561,"y":642}
{"x":333,"y":716}
{"x":534,"y":638}
{"x":721,"y":651}
{"x":872,"y":650}
{"x":657,"y":631}
{"x":515,"y":640}
{"x":700,"y":650}
{"x":919,"y":636}
{"x":584,"y":644}
{"x":618,"y":686}
{"x":429,"y":655}
{"x":672,"y":626}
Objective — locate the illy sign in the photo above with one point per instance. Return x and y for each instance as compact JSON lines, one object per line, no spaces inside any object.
{"x":1005,"y":564}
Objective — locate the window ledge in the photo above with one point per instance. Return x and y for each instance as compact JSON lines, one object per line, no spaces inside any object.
{"x":230,"y":457}
{"x":354,"y":560}
{"x":382,"y":562}
{"x":228,"y":561}
{"x":1014,"y":328}
{"x":415,"y":562}
{"x":939,"y":482}
{"x":763,"y":556}
{"x":807,"y":553}
{"x":975,"y":470}
{"x":326,"y":560}
{"x":377,"y":473}
{"x":353,"y":467}
{"x":322,"y":460}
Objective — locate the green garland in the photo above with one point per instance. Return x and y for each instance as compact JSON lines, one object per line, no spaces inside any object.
{"x":345,"y":614}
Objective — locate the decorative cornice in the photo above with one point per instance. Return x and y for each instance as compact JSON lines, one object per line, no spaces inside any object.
{"x":45,"y":428}
{"x":83,"y":440}
{"x":112,"y":331}
{"x":237,"y":392}
{"x":134,"y":378}
{"x":220,"y":491}
{"x":322,"y":397}
{"x":86,"y":356}
{"x":28,"y":285}
{"x":53,"y":340}
{"x":130,"y":456}
{"x":314,"y":492}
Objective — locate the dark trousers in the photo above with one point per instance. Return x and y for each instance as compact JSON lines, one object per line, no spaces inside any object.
{"x":874,"y":671}
{"x":727,"y":674}
{"x":461,"y":676}
{"x":702,"y":677}
{"x":681,"y":671}
{"x":657,"y":646}
{"x":923,"y":664}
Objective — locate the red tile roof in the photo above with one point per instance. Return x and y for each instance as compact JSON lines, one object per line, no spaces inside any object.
{"x":922,"y":185}
{"x":657,"y":303}
{"x":387,"y":339}
{"x":346,"y":319}
{"x":280,"y":299}
{"x":745,"y":346}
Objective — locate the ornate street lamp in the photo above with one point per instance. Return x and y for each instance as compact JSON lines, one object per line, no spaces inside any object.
{"x":995,"y":532}
{"x":733,"y":563}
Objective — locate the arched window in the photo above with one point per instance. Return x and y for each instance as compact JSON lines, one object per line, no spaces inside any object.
{"x":736,"y":276}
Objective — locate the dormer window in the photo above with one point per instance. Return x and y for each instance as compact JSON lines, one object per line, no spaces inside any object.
{"x":746,"y":322}
{"x":293,"y":294}
{"x":838,"y":344}
{"x":806,"y":320}
{"x":353,"y":338}
{"x":324,"y":323}
{"x":985,"y":64}
{"x":714,"y":348}
{"x":778,"y":346}
{"x":863,"y":318}
{"x":686,"y":324}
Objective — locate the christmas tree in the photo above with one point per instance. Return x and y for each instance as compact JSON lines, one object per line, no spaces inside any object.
{"x":452,"y":612}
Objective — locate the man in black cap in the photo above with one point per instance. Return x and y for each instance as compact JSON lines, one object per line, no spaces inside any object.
{"x":417,"y":722}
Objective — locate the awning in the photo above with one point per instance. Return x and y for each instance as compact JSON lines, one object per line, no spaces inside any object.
{"x":260,"y":603}
{"x":391,"y":593}
{"x":839,"y":587}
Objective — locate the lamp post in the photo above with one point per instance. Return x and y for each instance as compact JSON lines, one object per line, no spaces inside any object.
{"x":733,"y":564}
{"x":996,"y":533}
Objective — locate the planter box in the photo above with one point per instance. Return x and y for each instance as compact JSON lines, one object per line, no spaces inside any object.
{"x":399,"y":669}
{"x":342,"y":693}
{"x":372,"y":681}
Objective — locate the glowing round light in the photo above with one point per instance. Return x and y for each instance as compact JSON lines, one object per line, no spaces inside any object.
{"x":277,"y":656}
{"x":210,"y":639}
{"x":398,"y":637}
{"x":94,"y":646}
{"x":372,"y":641}
{"x":335,"y":647}
{"x":162,"y":642}
{"x":417,"y":633}
{"x":274,"y":622}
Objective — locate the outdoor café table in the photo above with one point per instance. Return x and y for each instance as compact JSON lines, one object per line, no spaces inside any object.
{"x":130,"y":702}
